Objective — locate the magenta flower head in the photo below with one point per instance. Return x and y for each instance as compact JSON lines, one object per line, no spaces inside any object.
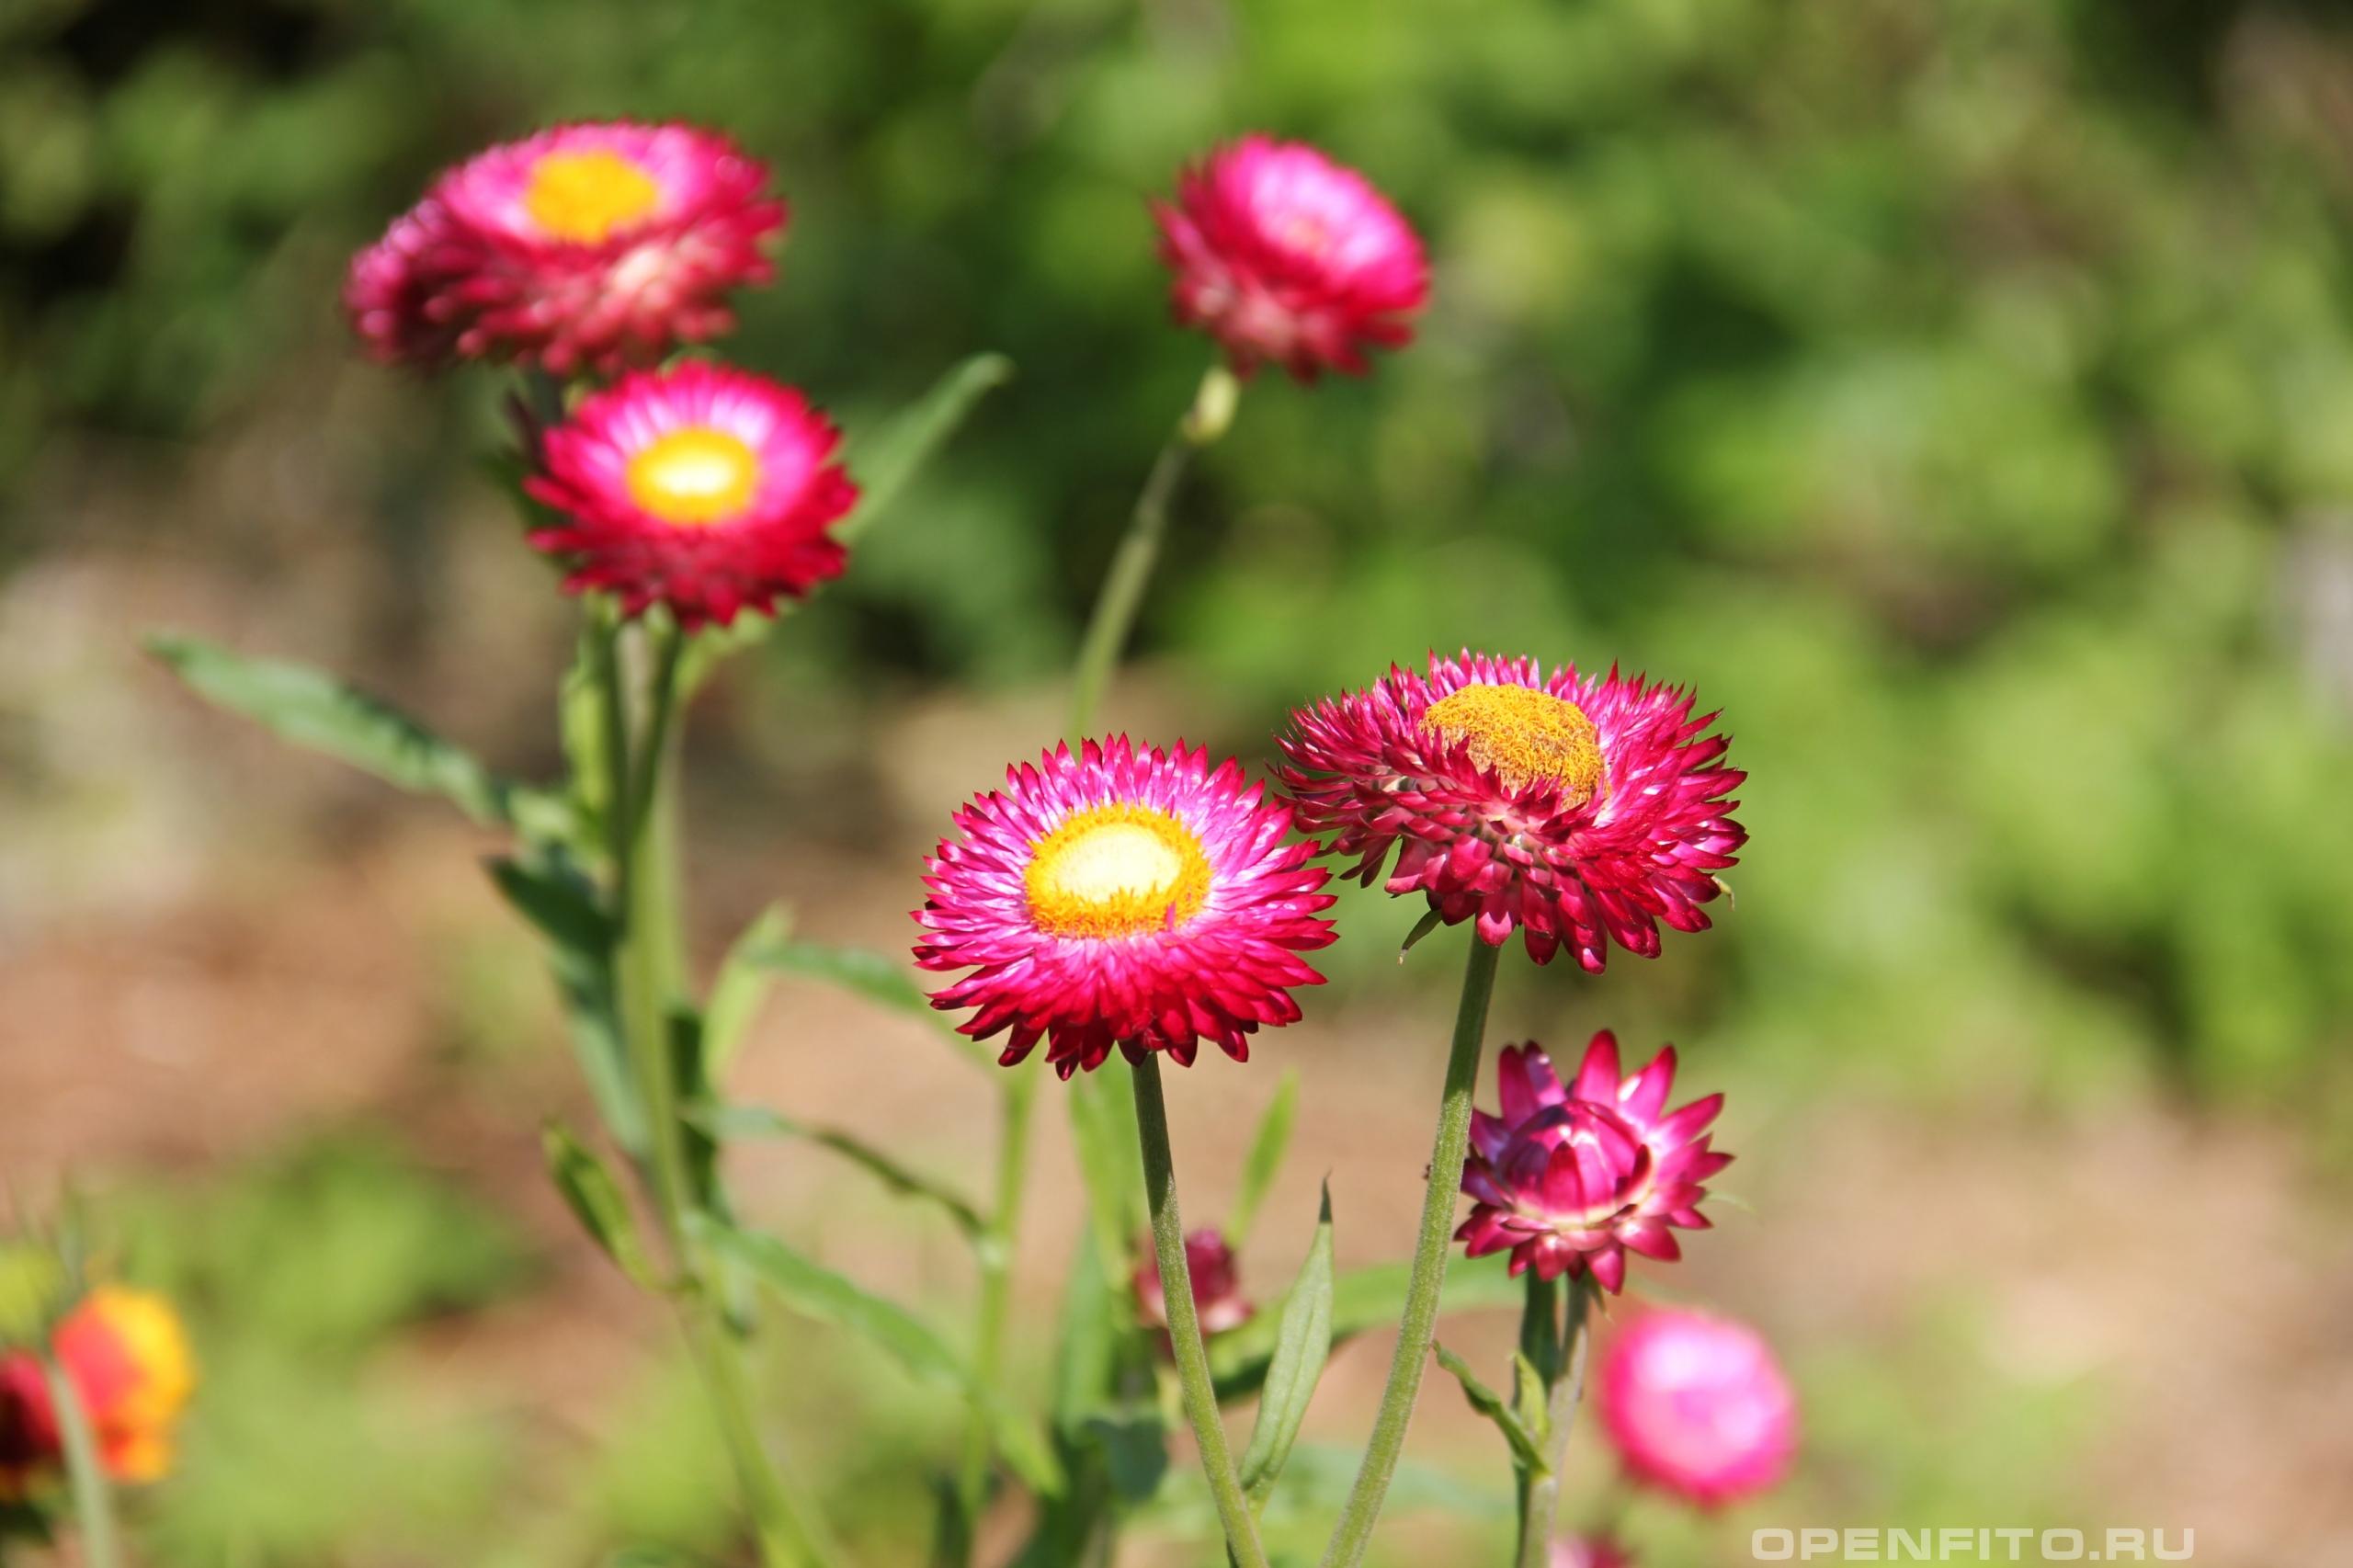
{"x":1695,"y":1405}
{"x":1572,"y":1178}
{"x":703,"y":488}
{"x":586,"y":247}
{"x":1572,"y":809}
{"x":1122,"y":897}
{"x":1217,"y":1285}
{"x":1590,"y":1552}
{"x":1283,"y":255}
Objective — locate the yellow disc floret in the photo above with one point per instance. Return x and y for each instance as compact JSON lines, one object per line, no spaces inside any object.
{"x":587,"y":196}
{"x":1525,"y":736}
{"x":694,"y":477}
{"x":1117,"y":871}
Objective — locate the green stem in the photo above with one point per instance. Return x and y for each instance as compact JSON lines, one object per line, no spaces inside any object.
{"x":1564,"y":1387}
{"x":1020,"y":1096}
{"x":1354,"y":1532}
{"x":1114,"y":617}
{"x":648,"y":972}
{"x":93,"y":1509}
{"x":1184,"y":1321}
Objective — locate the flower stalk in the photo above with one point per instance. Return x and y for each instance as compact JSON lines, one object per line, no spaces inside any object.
{"x":1208,"y":417}
{"x":1193,"y":1377}
{"x":1019,"y":1098}
{"x":84,"y":1474}
{"x":1558,"y":1353}
{"x":1419,"y":1327}
{"x":642,"y":769}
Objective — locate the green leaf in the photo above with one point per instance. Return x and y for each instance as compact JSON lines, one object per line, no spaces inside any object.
{"x":1362,"y":1300}
{"x":1421,"y":928}
{"x":756,"y":1121}
{"x":1526,"y":1447}
{"x":1104,"y":1136}
{"x":595,"y":1197}
{"x":1266,"y":1159}
{"x":886,"y":457}
{"x":1303,"y":1343}
{"x":816,"y":1291}
{"x":311,"y":710}
{"x":1134,"y":1441}
{"x":741,"y":986}
{"x":883,"y":978}
{"x":560,"y":902}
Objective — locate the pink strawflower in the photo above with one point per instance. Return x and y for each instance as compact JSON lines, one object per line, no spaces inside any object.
{"x":1590,"y":1552}
{"x":1123,"y":897}
{"x":1696,"y":1404}
{"x":1217,"y":1285}
{"x":1572,"y":1178}
{"x":1283,"y":255}
{"x":584,"y":247}
{"x":704,"y":488}
{"x":1576,"y":809}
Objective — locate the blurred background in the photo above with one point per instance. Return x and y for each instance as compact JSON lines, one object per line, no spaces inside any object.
{"x":1959,"y":395}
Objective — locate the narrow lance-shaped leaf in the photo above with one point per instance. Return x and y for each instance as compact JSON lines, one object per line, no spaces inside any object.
{"x":741,"y":986}
{"x":878,"y":977}
{"x":1527,"y":1445}
{"x":1267,"y":1151}
{"x":887,"y":457}
{"x":1303,"y":1343}
{"x":732,"y":1123}
{"x":595,"y":1196}
{"x":561,"y":903}
{"x":1364,"y":1299}
{"x":819,"y":1292}
{"x":310,"y":709}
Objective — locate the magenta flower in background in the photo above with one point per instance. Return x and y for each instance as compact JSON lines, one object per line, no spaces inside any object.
{"x":1572,"y":808}
{"x":1285,"y":256}
{"x":703,"y":488}
{"x":1217,"y":1285}
{"x":1697,"y":1406}
{"x":1572,"y":1178}
{"x":584,"y":247}
{"x":1122,"y":897}
{"x":1590,"y":1552}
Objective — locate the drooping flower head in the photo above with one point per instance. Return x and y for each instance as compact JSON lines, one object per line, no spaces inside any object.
{"x":704,"y":488}
{"x":1217,"y":1285}
{"x":1122,"y":897}
{"x":128,"y":1358}
{"x":1283,"y":255}
{"x":584,"y":247}
{"x":1573,"y":1176}
{"x":1590,"y":1552}
{"x":1576,"y":810}
{"x":1695,"y":1405}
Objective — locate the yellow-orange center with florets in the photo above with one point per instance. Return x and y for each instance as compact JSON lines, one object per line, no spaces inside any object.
{"x":1116,"y":870}
{"x":586,"y":196}
{"x":695,"y":477}
{"x":1523,"y":736}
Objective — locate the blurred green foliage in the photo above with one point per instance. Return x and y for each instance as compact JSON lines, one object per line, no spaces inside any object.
{"x":1956,"y":393}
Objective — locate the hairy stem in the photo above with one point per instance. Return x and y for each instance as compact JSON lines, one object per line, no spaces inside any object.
{"x":1184,"y":1321}
{"x":1354,"y":1532}
{"x":1562,"y":1368}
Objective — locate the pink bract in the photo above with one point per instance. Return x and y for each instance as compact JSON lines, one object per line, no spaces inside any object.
{"x":520,"y":254}
{"x":1696,"y":1404}
{"x":1585,"y":820}
{"x":703,"y":488}
{"x":1285,"y":256}
{"x":1125,"y":897}
{"x":1571,"y":1178}
{"x":1217,"y":1285}
{"x":1590,"y":1552}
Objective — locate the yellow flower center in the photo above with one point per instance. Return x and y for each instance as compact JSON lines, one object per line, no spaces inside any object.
{"x":1524,"y":735}
{"x":1117,"y":871}
{"x":587,"y":196}
{"x":136,"y":1423}
{"x":694,"y":477}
